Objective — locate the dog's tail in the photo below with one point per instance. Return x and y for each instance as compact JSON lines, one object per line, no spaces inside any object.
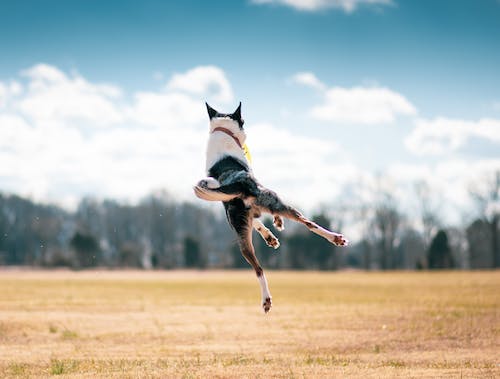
{"x":213,"y":195}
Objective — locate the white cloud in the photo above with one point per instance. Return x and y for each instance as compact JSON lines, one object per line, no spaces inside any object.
{"x":166,"y":109}
{"x":361,"y":105}
{"x":51,"y":149}
{"x":318,"y":170}
{"x":159,"y":142}
{"x":7,"y":91}
{"x":52,"y":95}
{"x":443,"y":135}
{"x":203,"y":81}
{"x":308,"y":79}
{"x":44,"y":72}
{"x":63,"y":137}
{"x":449,"y":182}
{"x":347,"y":6}
{"x":3,"y":94}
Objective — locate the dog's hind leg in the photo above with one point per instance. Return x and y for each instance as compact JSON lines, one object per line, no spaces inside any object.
{"x":240,"y":219}
{"x":246,"y":247}
{"x":335,"y":238}
{"x":270,"y":202}
{"x":266,"y":234}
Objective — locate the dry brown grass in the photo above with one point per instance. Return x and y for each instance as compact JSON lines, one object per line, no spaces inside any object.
{"x":122,"y":324}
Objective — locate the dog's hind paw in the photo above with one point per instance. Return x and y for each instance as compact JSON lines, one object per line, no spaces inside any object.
{"x":339,"y":240}
{"x":266,"y":304}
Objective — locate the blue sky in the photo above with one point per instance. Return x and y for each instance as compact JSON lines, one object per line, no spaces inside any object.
{"x":447,"y":46}
{"x":410,"y":89}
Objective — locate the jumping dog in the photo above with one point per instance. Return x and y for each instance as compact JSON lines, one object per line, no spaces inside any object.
{"x":230,"y":179}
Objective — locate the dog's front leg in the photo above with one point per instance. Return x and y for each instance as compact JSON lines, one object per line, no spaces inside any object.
{"x":210,"y":189}
{"x":210,"y":183}
{"x":279,"y":223}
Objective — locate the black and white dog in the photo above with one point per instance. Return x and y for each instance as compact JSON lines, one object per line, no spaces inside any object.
{"x":230,"y":180}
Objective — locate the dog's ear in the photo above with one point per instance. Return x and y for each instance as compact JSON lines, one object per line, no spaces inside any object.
{"x":237,"y":116}
{"x":211,"y":112}
{"x":237,"y":113}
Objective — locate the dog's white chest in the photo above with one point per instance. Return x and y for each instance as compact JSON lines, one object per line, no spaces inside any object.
{"x":221,"y":145}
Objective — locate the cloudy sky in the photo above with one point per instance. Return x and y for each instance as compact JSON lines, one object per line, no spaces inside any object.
{"x":106,"y":98}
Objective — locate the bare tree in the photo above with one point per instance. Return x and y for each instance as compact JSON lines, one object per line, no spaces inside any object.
{"x":478,"y":237}
{"x":157,"y":213}
{"x":429,"y":210}
{"x":487,"y":197}
{"x":411,"y":250}
{"x":386,"y":223}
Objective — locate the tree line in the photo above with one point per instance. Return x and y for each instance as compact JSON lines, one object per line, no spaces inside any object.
{"x":160,"y":232}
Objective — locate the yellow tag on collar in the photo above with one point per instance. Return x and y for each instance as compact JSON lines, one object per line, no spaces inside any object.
{"x":247,"y":153}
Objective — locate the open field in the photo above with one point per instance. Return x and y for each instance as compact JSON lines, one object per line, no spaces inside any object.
{"x":209,"y":324}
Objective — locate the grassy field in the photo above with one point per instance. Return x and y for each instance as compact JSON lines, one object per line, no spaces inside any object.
{"x":120,"y":324}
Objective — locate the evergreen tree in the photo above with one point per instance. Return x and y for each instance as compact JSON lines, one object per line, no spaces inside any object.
{"x":439,"y":254}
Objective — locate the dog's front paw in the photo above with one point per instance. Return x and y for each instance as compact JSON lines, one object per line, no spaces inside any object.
{"x":202,"y":183}
{"x":339,"y":240}
{"x":279,"y":223}
{"x":209,"y":183}
{"x":266,"y":304}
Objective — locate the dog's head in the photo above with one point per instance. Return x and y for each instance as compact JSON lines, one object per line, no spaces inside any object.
{"x":230,"y":121}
